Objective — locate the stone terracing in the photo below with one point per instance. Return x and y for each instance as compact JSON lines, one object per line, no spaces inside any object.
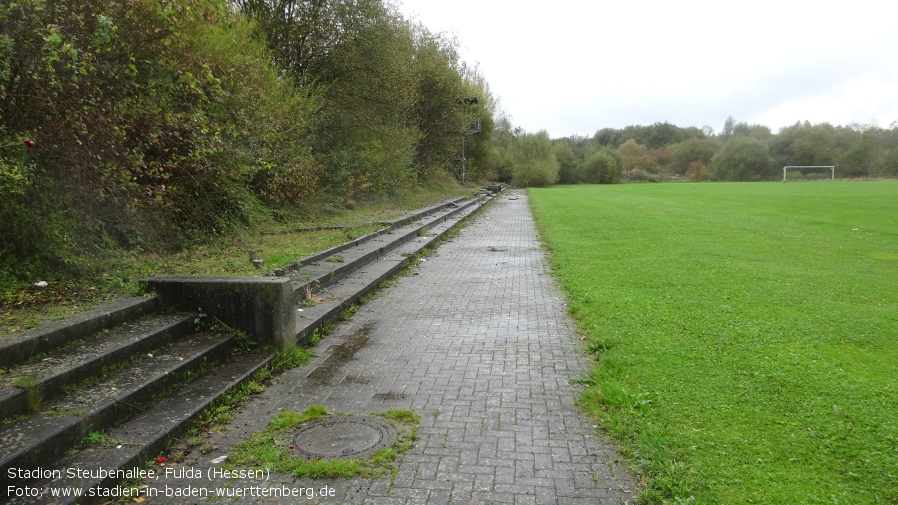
{"x":137,"y":373}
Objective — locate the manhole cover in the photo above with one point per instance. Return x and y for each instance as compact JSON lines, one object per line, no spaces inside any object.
{"x":343,"y":437}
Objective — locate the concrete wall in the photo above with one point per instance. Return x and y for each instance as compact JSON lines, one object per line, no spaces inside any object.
{"x":262,"y":307}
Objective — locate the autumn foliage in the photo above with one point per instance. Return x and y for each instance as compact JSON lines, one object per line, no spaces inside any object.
{"x":149,"y":124}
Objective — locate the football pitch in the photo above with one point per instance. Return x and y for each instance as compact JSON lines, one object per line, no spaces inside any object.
{"x":745,"y":334}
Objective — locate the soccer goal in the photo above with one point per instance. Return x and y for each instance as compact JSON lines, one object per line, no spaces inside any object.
{"x":786,"y":168}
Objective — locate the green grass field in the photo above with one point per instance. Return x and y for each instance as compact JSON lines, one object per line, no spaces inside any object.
{"x":746,"y":335}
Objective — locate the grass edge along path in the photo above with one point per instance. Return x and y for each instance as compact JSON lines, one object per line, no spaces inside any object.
{"x":745,"y":335}
{"x":272,"y":447}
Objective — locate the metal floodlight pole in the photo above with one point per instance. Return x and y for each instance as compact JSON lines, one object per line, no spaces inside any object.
{"x":464,"y":160}
{"x":464,"y":136}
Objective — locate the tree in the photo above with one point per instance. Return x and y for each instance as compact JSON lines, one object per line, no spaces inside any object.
{"x":803,"y":144}
{"x":662,"y":158}
{"x":634,"y":156}
{"x":760,"y":132}
{"x":535,"y":163}
{"x":608,"y":137}
{"x":663,"y":134}
{"x":755,"y":131}
{"x":691,"y":150}
{"x":861,"y":157}
{"x":741,"y":159}
{"x":501,"y":160}
{"x":139,"y":108}
{"x":728,"y":128}
{"x":482,"y":113}
{"x":368,"y":128}
{"x":439,"y":109}
{"x":568,"y":167}
{"x":394,"y":106}
{"x":601,"y":167}
{"x":302,"y":33}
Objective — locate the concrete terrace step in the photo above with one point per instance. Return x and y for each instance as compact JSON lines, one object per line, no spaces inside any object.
{"x":312,"y":276}
{"x":365,"y":279}
{"x":44,"y":378}
{"x":262,"y":306}
{"x":19,"y":348}
{"x":147,"y":401}
{"x":147,"y":435}
{"x":421,"y":213}
{"x":46,"y":436}
{"x":389,"y":225}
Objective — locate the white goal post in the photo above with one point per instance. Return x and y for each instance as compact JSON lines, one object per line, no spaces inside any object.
{"x":809,"y":166}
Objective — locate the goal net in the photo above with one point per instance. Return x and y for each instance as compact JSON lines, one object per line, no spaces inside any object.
{"x":816,"y":167}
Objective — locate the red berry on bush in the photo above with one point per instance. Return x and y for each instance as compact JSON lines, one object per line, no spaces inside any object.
{"x":29,"y":142}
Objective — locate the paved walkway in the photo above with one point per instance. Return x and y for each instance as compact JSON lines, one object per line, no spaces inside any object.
{"x":478,"y":342}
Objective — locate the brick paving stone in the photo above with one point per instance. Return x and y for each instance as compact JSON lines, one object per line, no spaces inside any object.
{"x":478,"y":342}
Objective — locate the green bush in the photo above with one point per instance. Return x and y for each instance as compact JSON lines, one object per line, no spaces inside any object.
{"x":155,"y":122}
{"x":741,"y":159}
{"x":533,"y":174}
{"x":535,"y":163}
{"x":637,"y":175}
{"x":601,"y":167}
{"x":697,"y":171}
{"x":158,"y":123}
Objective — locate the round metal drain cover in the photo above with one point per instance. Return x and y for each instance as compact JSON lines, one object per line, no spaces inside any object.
{"x":343,"y":437}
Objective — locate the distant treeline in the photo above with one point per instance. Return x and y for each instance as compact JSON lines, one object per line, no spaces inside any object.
{"x":741,"y":152}
{"x":145,"y":124}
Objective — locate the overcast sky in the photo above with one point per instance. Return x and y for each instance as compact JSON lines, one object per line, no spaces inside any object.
{"x":574,"y":67}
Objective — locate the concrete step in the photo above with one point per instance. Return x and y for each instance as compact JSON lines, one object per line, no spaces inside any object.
{"x":42,"y":378}
{"x":39,"y":438}
{"x":312,"y":277}
{"x":262,"y":306}
{"x":152,"y":396}
{"x":389,"y":225}
{"x":142,"y":438}
{"x":21,"y":347}
{"x":349,"y":291}
{"x":421,"y":213}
